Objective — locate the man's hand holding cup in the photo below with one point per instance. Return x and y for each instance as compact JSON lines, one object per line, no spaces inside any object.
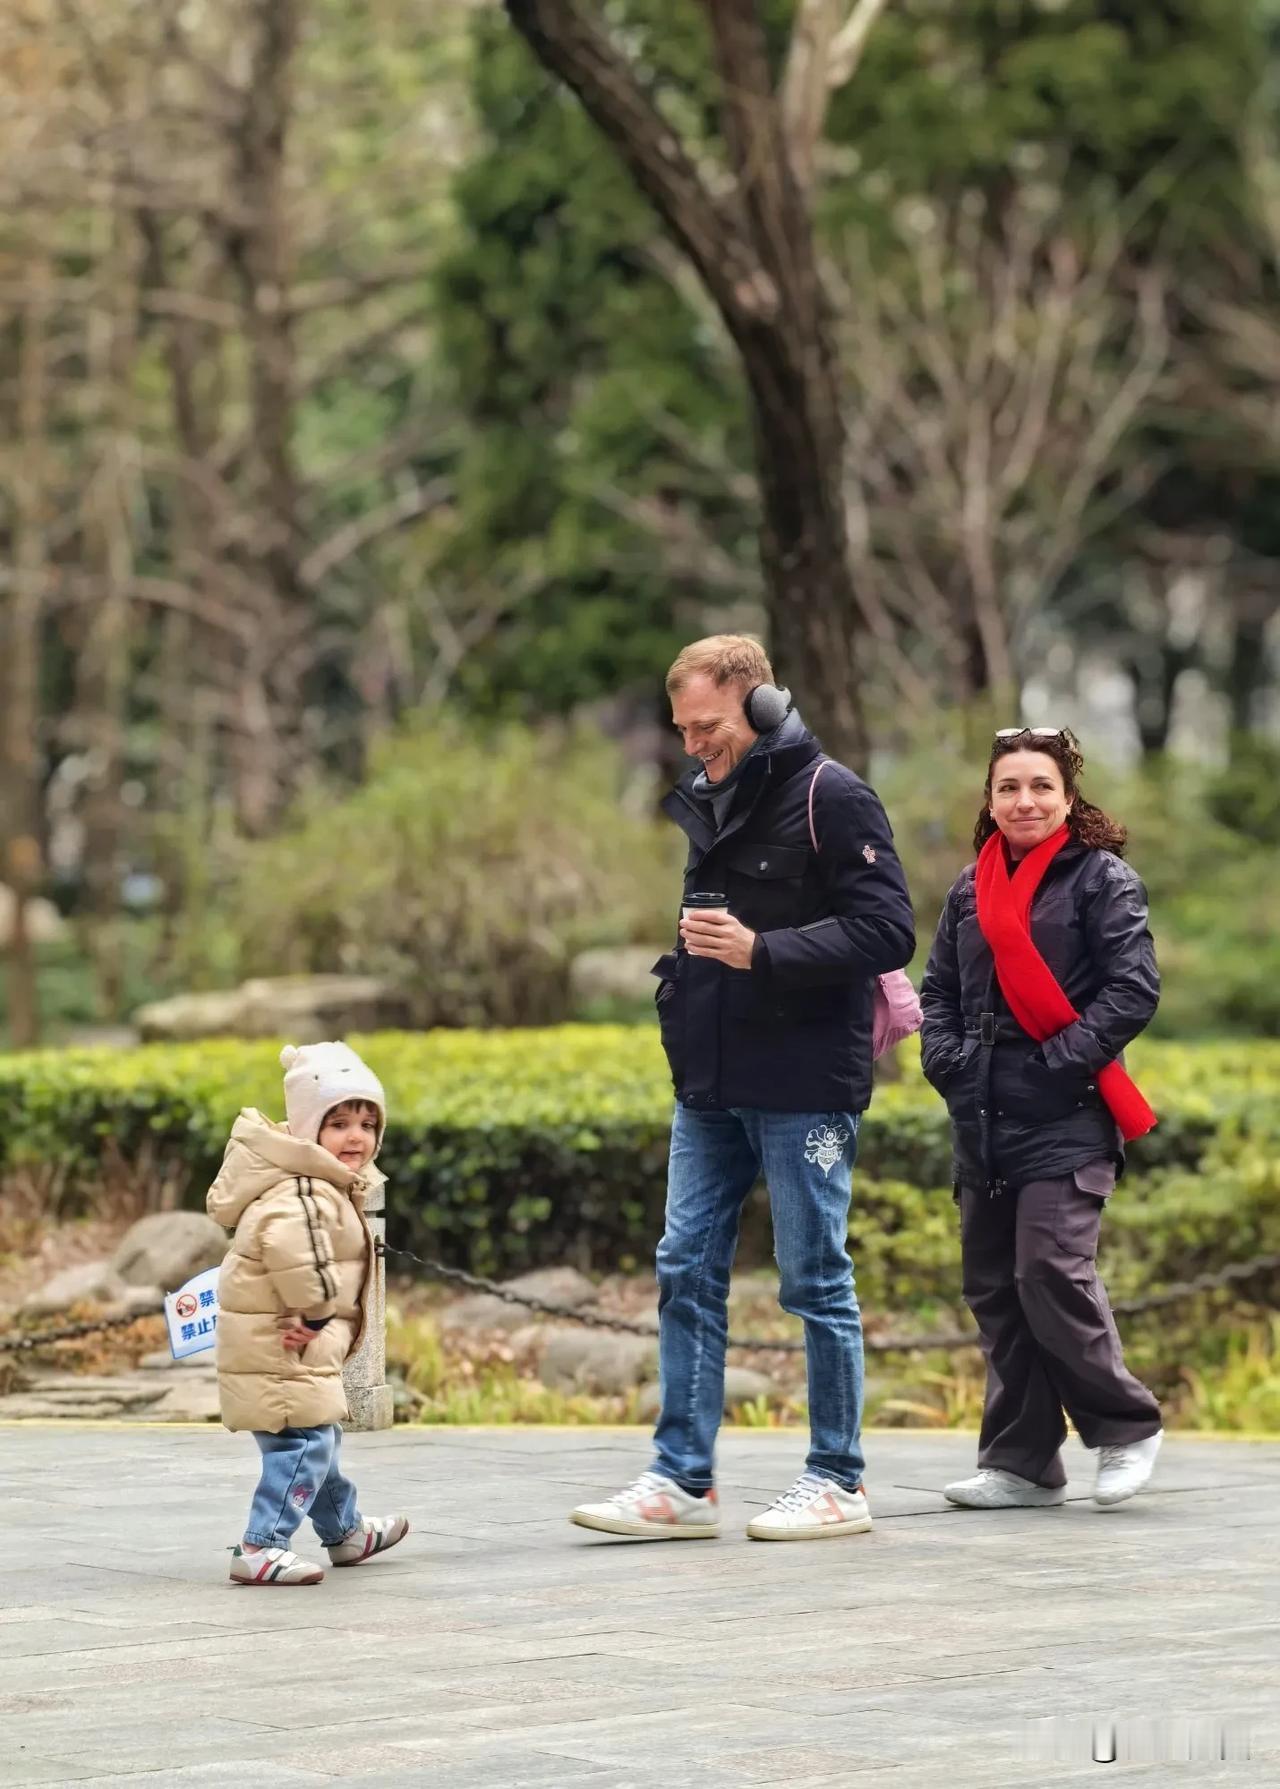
{"x":710,"y":930}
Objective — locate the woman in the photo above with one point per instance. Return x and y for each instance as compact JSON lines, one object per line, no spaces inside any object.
{"x":1042,"y":971}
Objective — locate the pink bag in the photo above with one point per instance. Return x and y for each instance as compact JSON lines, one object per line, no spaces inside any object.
{"x":896,"y":1012}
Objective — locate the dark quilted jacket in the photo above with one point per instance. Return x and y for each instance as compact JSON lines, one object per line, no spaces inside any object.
{"x":793,"y":1032}
{"x":1020,"y":1110}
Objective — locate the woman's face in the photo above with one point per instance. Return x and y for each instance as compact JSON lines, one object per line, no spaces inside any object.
{"x":1028,"y":800}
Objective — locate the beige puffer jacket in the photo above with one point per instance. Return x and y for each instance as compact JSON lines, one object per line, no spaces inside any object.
{"x":302,"y":1247}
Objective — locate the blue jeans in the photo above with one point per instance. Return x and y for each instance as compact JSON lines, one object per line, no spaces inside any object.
{"x":300,"y":1474}
{"x":716,"y":1157}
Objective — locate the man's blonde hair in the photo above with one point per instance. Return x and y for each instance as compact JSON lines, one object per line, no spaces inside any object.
{"x":725,"y":658}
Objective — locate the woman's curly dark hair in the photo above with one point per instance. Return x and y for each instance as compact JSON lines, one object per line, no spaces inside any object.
{"x":1086,"y":823}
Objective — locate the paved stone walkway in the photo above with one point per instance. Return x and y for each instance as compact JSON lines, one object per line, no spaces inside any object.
{"x":500,"y":1647}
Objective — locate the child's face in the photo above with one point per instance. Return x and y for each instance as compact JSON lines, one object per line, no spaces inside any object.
{"x":351,"y":1133}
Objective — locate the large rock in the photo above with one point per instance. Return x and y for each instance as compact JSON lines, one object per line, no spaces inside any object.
{"x":190,"y":1400}
{"x":137,"y":1397}
{"x":92,"y":1282}
{"x":556,"y":1285}
{"x":189,"y":1016}
{"x":595,"y":1360}
{"x":307,"y":1009}
{"x":138,"y":1301}
{"x":162,"y":1361}
{"x":619,"y":972}
{"x":45,"y":925}
{"x":741,"y":1386}
{"x":167,"y":1248}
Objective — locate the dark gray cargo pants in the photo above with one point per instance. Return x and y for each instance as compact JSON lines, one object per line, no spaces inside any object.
{"x":1031,"y":1281}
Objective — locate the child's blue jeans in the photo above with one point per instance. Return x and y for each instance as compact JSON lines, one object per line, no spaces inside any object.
{"x":301,"y":1475}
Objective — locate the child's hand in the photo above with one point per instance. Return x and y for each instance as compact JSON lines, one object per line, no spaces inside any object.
{"x":294,"y":1334}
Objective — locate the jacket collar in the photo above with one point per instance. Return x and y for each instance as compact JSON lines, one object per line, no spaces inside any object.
{"x":261,"y":1153}
{"x":764,"y":769}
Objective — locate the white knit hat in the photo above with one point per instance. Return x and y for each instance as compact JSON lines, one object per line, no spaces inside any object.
{"x":319,"y":1077}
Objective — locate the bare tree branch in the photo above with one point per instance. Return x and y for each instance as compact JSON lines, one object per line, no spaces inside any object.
{"x":995,"y":390}
{"x":417,"y":500}
{"x":579,"y":53}
{"x":823,"y":56}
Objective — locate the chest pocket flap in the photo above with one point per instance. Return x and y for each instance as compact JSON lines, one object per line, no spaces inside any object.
{"x":769,"y":863}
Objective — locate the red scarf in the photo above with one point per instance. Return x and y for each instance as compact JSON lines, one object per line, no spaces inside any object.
{"x":1026,"y":980}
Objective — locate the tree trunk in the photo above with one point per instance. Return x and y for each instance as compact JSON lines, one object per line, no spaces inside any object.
{"x":794,"y":383}
{"x":109,"y":556}
{"x":1155,"y":675}
{"x":754,"y":252}
{"x":1248,"y":672}
{"x":261,"y":259}
{"x":20,"y":670}
{"x":808,"y":588}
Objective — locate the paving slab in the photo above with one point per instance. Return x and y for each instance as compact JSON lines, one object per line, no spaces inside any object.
{"x":501,"y":1647}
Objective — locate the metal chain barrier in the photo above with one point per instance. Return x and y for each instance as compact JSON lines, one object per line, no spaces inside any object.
{"x":1236,"y":1274}
{"x":16,"y":1343}
{"x":946,"y":1339}
{"x":1203,"y":1282}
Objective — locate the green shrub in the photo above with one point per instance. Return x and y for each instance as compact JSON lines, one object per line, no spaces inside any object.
{"x":1245,"y":797}
{"x":469,"y":867}
{"x":508,"y":1150}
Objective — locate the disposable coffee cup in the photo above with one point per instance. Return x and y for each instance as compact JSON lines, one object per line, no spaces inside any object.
{"x":704,"y":903}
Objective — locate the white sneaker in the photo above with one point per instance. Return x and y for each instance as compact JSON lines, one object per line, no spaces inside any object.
{"x":372,"y":1535}
{"x":1123,"y":1471}
{"x":814,"y":1508}
{"x":272,"y":1566}
{"x":992,"y":1489}
{"x":654,"y":1508}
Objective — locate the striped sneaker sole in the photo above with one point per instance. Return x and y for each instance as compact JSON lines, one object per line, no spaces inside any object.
{"x":279,"y":1577}
{"x":376,"y":1540}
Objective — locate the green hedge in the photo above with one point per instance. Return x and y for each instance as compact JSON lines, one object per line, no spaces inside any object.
{"x":512,"y":1149}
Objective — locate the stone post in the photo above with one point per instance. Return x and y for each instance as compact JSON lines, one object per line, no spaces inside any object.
{"x":365,"y":1374}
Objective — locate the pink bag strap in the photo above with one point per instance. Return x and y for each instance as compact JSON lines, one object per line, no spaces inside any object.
{"x":896,"y":1006}
{"x":813,"y":837}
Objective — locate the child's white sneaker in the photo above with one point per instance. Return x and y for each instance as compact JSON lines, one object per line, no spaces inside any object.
{"x":271,"y":1565}
{"x":813,"y":1509}
{"x":1123,"y":1471}
{"x":372,"y":1536}
{"x":654,"y":1508}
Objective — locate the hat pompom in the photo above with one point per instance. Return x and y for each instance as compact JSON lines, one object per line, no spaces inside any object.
{"x":289,"y":1055}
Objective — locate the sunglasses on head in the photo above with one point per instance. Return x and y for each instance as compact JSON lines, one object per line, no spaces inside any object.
{"x":1033,"y":733}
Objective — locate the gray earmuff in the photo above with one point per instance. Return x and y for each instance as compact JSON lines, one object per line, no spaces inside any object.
{"x":767,"y":706}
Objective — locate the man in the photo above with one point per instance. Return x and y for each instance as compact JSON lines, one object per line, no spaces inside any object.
{"x":766,"y":1017}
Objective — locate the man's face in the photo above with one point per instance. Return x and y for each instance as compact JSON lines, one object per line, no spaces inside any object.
{"x":710,"y":720}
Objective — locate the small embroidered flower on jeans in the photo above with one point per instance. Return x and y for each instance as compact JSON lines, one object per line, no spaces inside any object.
{"x":302,"y":1496}
{"x":869,"y":852}
{"x":825,"y":1145}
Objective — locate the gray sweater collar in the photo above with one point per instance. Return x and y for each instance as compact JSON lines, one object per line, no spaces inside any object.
{"x":722,"y":795}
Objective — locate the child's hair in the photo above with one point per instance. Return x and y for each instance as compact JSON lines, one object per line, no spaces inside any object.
{"x":357,"y":1107}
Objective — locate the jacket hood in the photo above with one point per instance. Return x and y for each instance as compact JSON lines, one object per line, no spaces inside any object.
{"x":260,"y":1153}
